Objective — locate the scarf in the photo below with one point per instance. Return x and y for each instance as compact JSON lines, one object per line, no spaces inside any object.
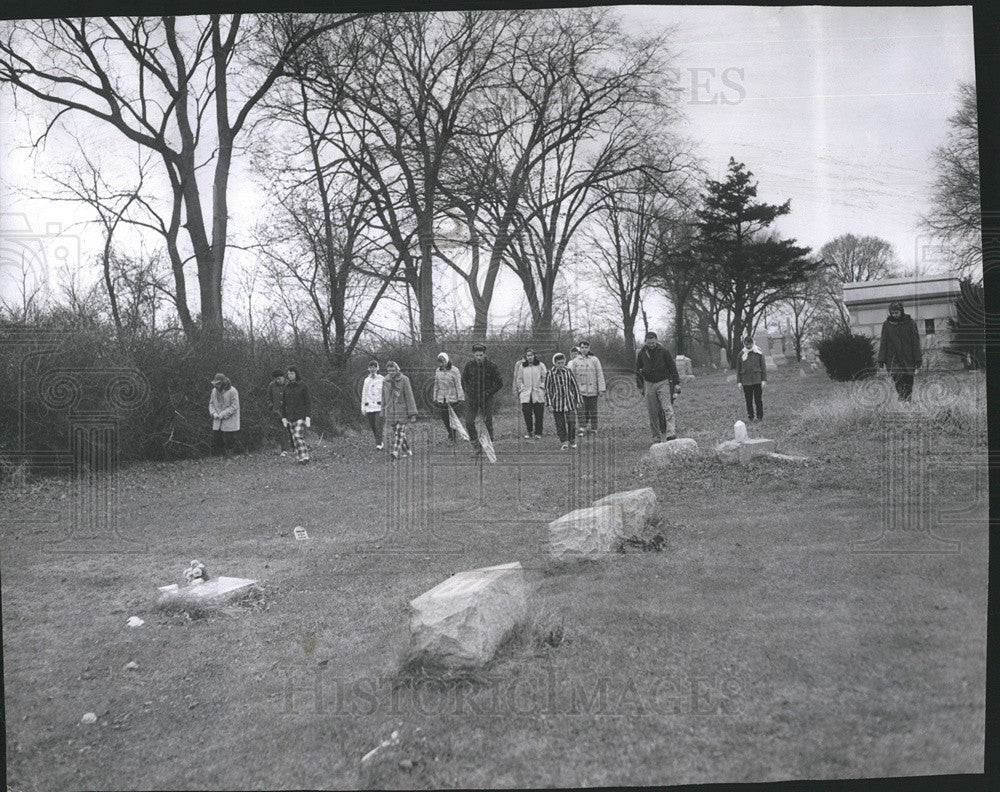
{"x":754,"y":348}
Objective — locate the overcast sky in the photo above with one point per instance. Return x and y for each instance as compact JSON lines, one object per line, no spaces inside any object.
{"x":836,"y":109}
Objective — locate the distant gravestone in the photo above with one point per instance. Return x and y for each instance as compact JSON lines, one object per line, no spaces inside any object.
{"x":637,"y":507}
{"x":213,"y":593}
{"x":586,"y":533}
{"x":667,"y":453}
{"x":462,"y":621}
{"x":684,"y":366}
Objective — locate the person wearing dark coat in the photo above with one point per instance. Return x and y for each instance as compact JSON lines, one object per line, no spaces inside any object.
{"x":751,"y":377}
{"x":657,"y":378}
{"x":296,"y":412}
{"x":899,"y":350}
{"x":275,"y":398}
{"x":481,"y":381}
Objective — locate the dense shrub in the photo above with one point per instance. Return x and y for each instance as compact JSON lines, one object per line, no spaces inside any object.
{"x":847,"y":356}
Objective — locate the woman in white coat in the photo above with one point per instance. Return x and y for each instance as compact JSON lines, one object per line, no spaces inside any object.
{"x":224,"y":407}
{"x":529,"y":389}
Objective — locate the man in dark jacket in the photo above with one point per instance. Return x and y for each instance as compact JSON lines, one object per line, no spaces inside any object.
{"x":481,"y":381}
{"x":275,"y":402}
{"x":899,"y":350}
{"x":657,"y":378}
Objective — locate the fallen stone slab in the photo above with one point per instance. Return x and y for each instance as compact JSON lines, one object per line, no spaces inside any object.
{"x":586,"y":533}
{"x":728,"y":451}
{"x":755,"y":446}
{"x":666,"y":453}
{"x":637,"y":507}
{"x":210,"y":594}
{"x":786,"y":457}
{"x":462,"y":621}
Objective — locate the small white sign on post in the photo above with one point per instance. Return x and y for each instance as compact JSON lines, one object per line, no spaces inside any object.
{"x":300,"y":533}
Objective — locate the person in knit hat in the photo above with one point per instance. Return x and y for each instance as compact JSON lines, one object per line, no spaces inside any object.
{"x":562,"y":394}
{"x":899,"y":350}
{"x":751,"y":377}
{"x":448,"y":392}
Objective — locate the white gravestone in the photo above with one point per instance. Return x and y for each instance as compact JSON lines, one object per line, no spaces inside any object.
{"x":586,"y":533}
{"x":637,"y":506}
{"x":462,"y":621}
{"x":212,"y":593}
{"x":740,"y":431}
{"x":684,"y":366}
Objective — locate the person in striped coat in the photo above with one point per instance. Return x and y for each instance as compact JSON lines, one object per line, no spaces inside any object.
{"x":562,"y":395}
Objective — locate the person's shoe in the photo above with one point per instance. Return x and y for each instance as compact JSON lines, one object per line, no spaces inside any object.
{"x":284,"y":453}
{"x":394,"y":454}
{"x":379,"y":447}
{"x":527,"y":437}
{"x":573,"y":445}
{"x":565,"y":446}
{"x":672,"y":437}
{"x":409,"y":452}
{"x":538,"y":437}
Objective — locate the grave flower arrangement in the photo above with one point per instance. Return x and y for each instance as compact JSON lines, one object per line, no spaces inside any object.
{"x":196,"y":573}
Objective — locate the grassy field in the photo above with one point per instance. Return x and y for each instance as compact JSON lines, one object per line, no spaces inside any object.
{"x":765,"y":642}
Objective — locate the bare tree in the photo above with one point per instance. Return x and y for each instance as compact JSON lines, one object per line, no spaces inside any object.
{"x":851,"y":259}
{"x":182,"y":89}
{"x":957,"y":213}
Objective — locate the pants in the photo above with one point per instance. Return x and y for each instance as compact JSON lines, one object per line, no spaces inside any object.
{"x":589,"y":417}
{"x":459,"y":409}
{"x":400,"y":445}
{"x":299,"y":440}
{"x":284,"y":435}
{"x":904,"y":384}
{"x":486,"y":409}
{"x":222,"y":442}
{"x":754,"y":394}
{"x":377,"y":425}
{"x":533,"y":413}
{"x":565,"y":425}
{"x":660,"y":409}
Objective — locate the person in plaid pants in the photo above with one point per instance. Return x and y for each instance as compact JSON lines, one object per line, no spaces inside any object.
{"x":295,"y":411}
{"x":398,"y":407}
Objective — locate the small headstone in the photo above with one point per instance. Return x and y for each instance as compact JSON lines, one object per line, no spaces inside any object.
{"x":754,"y":447}
{"x":740,"y":431}
{"x":461,"y":621}
{"x":135,"y":621}
{"x":89,"y":717}
{"x":666,"y":453}
{"x":683,"y":365}
{"x":586,"y":533}
{"x":300,"y":533}
{"x":212,"y":593}
{"x":637,"y":506}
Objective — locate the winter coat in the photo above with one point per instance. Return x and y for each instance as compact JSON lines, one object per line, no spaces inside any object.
{"x":448,"y":385}
{"x":296,"y":401}
{"x":588,"y":373}
{"x":655,"y":365}
{"x":481,"y":381}
{"x":751,"y":371}
{"x":529,"y":382}
{"x":226,"y":405}
{"x":275,"y":393}
{"x":562,"y":394}
{"x":397,"y":400}
{"x":371,"y":394}
{"x":899,"y":347}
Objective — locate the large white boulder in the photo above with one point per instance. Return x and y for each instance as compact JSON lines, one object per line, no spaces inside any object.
{"x":461,"y":621}
{"x":212,"y":593}
{"x":586,"y":533}
{"x":637,"y":507}
{"x":666,"y":453}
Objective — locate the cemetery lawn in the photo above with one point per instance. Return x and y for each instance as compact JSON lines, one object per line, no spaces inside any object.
{"x":763,"y":642}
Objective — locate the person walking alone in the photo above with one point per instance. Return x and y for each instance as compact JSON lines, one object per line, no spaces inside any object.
{"x":589,"y":376}
{"x":448,"y":392}
{"x":899,"y":350}
{"x":562,"y":394}
{"x":657,"y":378}
{"x":529,"y":390}
{"x":481,"y":381}
{"x":371,"y":402}
{"x":296,"y":412}
{"x":751,"y":377}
